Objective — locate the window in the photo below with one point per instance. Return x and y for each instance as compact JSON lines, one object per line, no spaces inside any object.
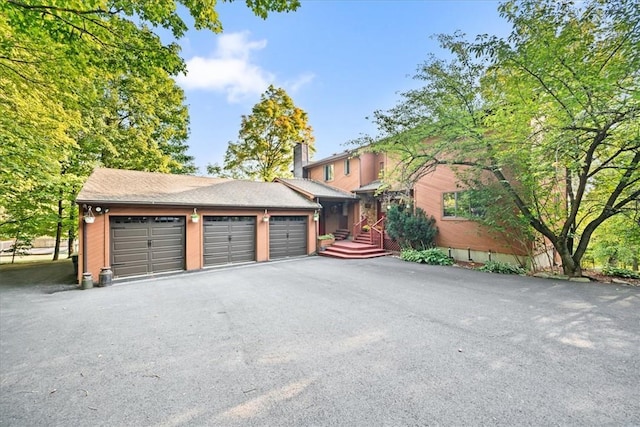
{"x":328,"y":172}
{"x":462,"y":204}
{"x":381,"y":170}
{"x":347,"y":166}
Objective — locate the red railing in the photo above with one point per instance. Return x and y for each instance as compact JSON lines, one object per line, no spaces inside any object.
{"x":357,"y":227}
{"x":376,"y":237}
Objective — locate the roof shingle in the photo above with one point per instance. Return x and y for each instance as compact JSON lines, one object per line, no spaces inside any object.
{"x":151,"y":188}
{"x":317,"y":189}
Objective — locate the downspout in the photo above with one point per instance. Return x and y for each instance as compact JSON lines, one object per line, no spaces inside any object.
{"x":84,"y":246}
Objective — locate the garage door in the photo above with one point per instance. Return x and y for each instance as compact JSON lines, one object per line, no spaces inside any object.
{"x":229,"y":239}
{"x":287,"y":236}
{"x":144,"y":245}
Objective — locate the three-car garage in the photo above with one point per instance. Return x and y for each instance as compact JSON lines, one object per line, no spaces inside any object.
{"x":142,"y":223}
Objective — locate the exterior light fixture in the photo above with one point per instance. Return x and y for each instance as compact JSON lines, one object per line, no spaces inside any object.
{"x":265,"y":217}
{"x":316,"y":216}
{"x":194,"y":216}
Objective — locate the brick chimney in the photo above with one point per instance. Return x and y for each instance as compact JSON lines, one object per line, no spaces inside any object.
{"x":300,"y":159}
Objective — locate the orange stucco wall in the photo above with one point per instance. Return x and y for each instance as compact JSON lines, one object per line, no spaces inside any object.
{"x":98,"y":234}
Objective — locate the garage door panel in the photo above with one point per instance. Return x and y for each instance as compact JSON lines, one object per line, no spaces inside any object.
{"x":167,"y":243}
{"x":130,"y":245}
{"x":216,"y":259}
{"x":167,"y":265}
{"x":131,"y":270}
{"x":287,"y":236}
{"x":160,"y":254}
{"x":130,"y":233}
{"x":229,"y":239}
{"x":147,"y":245}
{"x":133,"y":257}
{"x":161,"y":232}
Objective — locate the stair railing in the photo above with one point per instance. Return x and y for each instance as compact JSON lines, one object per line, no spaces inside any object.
{"x":357,"y":227}
{"x":376,"y":237}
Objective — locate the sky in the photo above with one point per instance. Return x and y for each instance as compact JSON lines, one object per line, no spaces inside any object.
{"x":339,"y":60}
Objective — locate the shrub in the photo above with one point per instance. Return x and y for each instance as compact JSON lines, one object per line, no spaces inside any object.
{"x":501,"y":267}
{"x":431,"y":256}
{"x":410,"y":229}
{"x":326,"y":237}
{"x":620,"y":272}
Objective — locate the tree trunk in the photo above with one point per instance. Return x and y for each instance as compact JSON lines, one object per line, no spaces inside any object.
{"x":570,"y":267}
{"x":72,"y":231}
{"x":15,"y":249}
{"x":56,"y":250}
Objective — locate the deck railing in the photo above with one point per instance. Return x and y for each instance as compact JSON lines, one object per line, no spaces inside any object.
{"x":357,"y":227}
{"x":376,"y":237}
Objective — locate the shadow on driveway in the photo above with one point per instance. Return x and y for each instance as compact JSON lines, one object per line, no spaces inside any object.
{"x":46,"y":276}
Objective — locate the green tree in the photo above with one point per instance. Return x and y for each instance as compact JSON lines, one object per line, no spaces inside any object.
{"x":551,"y":114}
{"x":84,"y":84}
{"x":617,"y":241}
{"x":266,"y":139}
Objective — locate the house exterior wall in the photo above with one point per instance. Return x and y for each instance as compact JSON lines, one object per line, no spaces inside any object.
{"x":98,"y":234}
{"x":462,"y":235}
{"x":341,"y":179}
{"x":369,"y":168}
{"x":453,"y":232}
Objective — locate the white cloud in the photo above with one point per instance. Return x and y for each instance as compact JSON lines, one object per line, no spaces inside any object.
{"x":302,"y":80}
{"x":230,"y":69}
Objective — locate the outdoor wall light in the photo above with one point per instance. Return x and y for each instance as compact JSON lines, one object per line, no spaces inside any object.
{"x":316,"y":216}
{"x":100,"y":210}
{"x":265,"y":217}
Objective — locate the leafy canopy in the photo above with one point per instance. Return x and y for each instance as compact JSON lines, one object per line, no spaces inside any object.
{"x":86,"y":84}
{"x":552,"y":110}
{"x":267,"y":136}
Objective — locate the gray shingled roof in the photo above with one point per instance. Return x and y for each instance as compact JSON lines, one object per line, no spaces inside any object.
{"x":317,"y":189}
{"x":150,"y":188}
{"x":372,"y":186}
{"x":333,"y":157}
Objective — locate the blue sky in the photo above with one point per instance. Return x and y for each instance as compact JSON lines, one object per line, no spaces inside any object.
{"x":339,"y":60}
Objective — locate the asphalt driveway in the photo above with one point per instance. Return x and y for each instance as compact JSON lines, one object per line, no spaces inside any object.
{"x":320,"y":341}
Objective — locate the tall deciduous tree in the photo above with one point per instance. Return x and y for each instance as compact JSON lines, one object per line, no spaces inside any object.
{"x":552,"y":113}
{"x":266,"y":139}
{"x":89,"y":83}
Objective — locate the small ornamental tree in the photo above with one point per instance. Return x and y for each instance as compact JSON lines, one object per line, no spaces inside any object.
{"x":411,"y":229}
{"x":267,"y":136}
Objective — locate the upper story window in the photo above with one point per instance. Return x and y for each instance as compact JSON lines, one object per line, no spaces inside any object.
{"x":381,"y":170}
{"x":347,"y":166}
{"x":462,"y":204}
{"x":328,"y":172}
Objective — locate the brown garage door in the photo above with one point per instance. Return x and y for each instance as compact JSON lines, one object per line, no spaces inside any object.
{"x":287,"y":236}
{"x":145,"y":245}
{"x":229,"y":239}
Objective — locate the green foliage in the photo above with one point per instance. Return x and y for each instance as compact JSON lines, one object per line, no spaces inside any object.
{"x":326,"y":237}
{"x":617,"y":241}
{"x":411,"y":229}
{"x":267,"y":136}
{"x":551,"y":110}
{"x":86,"y":84}
{"x":620,"y":272}
{"x":433,"y":256}
{"x":501,"y":267}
